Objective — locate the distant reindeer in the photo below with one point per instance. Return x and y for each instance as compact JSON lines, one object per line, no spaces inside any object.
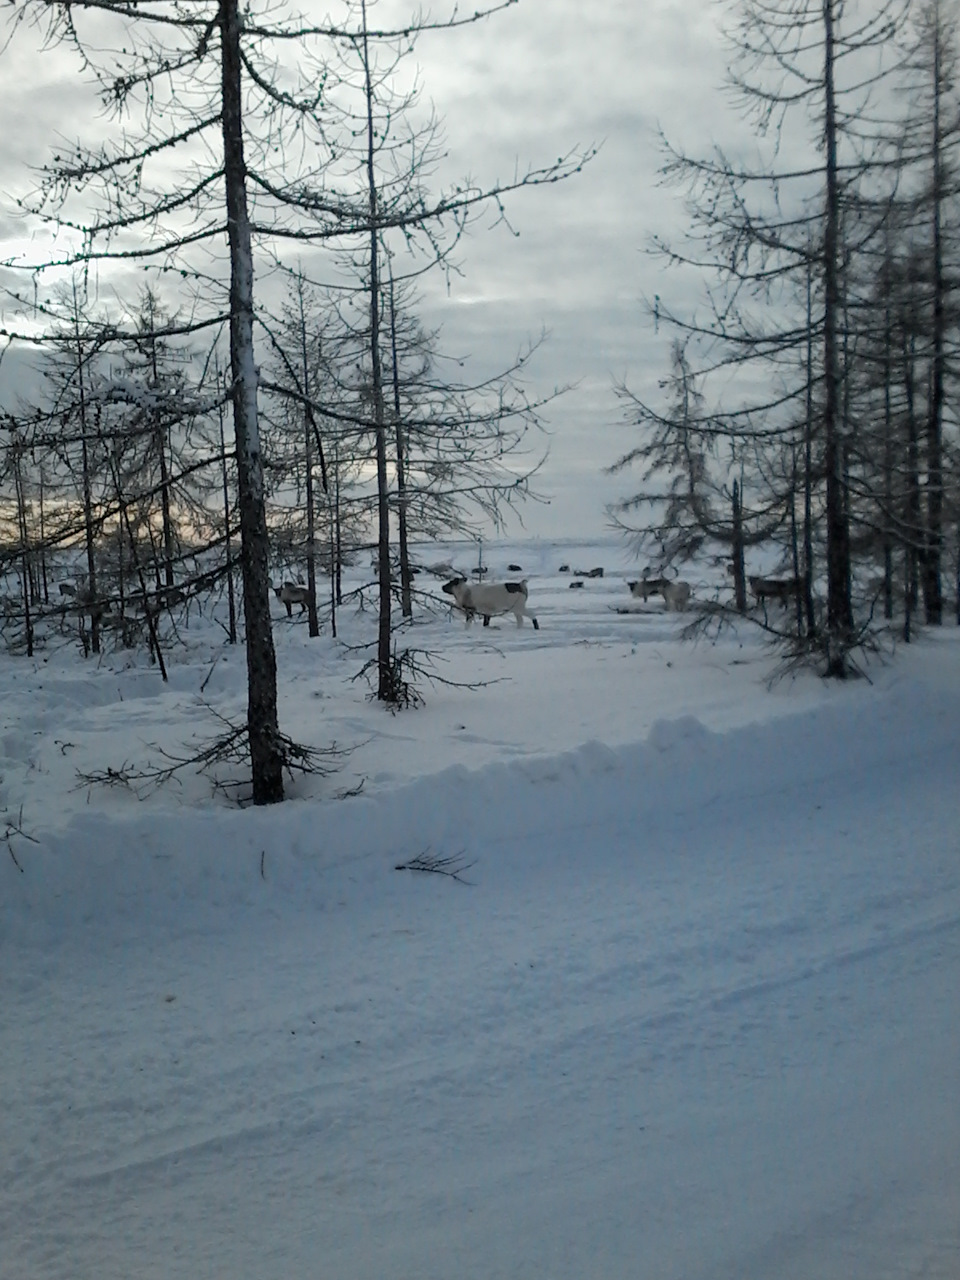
{"x":676,"y":594}
{"x":782,"y":589}
{"x":291,"y":593}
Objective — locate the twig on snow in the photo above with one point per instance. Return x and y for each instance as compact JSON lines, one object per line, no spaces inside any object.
{"x":16,"y":829}
{"x":451,"y":865}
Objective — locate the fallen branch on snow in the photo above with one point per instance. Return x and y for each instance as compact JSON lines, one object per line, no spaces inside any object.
{"x":451,"y":865}
{"x":12,"y":829}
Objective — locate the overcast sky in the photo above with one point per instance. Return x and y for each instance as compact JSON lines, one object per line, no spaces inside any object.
{"x":524,"y":87}
{"x":542,"y":77}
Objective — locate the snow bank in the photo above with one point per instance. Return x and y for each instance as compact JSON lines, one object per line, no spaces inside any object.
{"x":127,"y":871}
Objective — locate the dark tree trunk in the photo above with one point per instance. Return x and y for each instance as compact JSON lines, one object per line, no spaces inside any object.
{"x":808,"y":470}
{"x":165,"y":508}
{"x":384,"y":665}
{"x":227,"y":531}
{"x":262,"y":723}
{"x":24,"y":548}
{"x":88,"y":521}
{"x":43,"y":539}
{"x":739,"y":568}
{"x":933,"y":550}
{"x":313,"y":623}
{"x":888,"y":445}
{"x":839,"y":612}
{"x":406,"y":604}
{"x":913,"y":522}
{"x":795,"y":546}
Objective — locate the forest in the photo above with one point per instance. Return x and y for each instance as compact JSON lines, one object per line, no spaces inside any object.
{"x":255,"y":403}
{"x":810,"y":410}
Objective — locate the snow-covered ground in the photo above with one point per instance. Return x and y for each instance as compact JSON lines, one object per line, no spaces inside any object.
{"x":689,"y":1010}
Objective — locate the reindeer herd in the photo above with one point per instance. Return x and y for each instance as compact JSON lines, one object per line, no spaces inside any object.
{"x":486,"y":600}
{"x":469,"y":595}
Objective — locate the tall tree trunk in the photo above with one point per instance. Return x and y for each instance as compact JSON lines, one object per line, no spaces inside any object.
{"x":795,"y":543}
{"x":933,"y":550}
{"x":24,"y":546}
{"x":334,"y":568}
{"x":384,"y":667}
{"x":160,"y":444}
{"x":262,"y":723}
{"x":313,"y":624}
{"x":839,"y":611}
{"x":43,"y":537}
{"x":913,"y":540}
{"x":227,"y":531}
{"x":808,"y":470}
{"x":406,"y":604}
{"x":888,"y":458}
{"x":337,"y":521}
{"x":88,"y":522}
{"x":126,"y":633}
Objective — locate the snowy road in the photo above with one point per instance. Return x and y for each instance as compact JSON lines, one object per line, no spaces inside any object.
{"x":690,"y":1024}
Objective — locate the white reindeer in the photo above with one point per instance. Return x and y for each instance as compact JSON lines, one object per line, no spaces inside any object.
{"x":489,"y":599}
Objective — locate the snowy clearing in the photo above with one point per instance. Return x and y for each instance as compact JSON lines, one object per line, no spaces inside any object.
{"x":688,"y":1012}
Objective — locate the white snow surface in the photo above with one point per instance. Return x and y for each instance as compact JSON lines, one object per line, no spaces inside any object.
{"x":689,"y":1012}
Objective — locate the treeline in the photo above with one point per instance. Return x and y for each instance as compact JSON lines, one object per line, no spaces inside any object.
{"x":809,"y":426}
{"x":118,"y":487}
